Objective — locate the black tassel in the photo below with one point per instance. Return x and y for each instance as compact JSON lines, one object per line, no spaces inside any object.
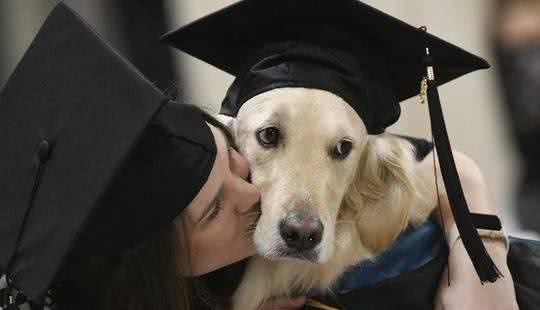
{"x":486,"y":221}
{"x":485,"y":268}
{"x":43,"y":155}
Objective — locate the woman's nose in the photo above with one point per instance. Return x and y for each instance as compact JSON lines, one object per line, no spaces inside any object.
{"x":239,"y":164}
{"x":248,"y":196}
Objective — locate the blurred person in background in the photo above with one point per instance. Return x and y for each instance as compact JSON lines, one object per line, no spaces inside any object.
{"x":516,"y":42}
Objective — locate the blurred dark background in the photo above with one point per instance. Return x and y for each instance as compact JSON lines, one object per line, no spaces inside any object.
{"x":133,"y":27}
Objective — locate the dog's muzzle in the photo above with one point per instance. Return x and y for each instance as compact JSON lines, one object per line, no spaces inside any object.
{"x":302,"y":231}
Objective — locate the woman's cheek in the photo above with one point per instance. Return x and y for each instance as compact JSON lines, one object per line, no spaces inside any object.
{"x":233,"y":231}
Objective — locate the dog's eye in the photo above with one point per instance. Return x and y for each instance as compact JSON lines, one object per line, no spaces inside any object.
{"x":342,"y":149}
{"x":268,"y":137}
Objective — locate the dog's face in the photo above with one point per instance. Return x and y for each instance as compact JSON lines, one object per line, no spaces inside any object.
{"x":303,"y":146}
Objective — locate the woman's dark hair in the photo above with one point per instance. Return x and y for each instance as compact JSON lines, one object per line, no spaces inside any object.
{"x":146,"y":276}
{"x":143,"y":277}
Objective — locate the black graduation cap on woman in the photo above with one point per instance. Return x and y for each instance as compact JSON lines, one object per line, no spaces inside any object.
{"x":370,"y":59}
{"x":93,"y":157}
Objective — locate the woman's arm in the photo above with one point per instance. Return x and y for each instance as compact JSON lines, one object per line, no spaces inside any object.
{"x":465,"y":290}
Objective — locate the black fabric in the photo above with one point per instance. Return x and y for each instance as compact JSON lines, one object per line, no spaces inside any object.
{"x":358,"y":80}
{"x":422,"y":147}
{"x":383,"y":65}
{"x":217,"y":287}
{"x":483,"y":264}
{"x":162,"y":174}
{"x":416,"y":290}
{"x":486,"y":221}
{"x":140,"y":23}
{"x":524,"y":263}
{"x":93,"y":156}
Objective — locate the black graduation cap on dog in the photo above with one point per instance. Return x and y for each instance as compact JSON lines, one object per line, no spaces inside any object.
{"x":94,"y":158}
{"x":370,"y":59}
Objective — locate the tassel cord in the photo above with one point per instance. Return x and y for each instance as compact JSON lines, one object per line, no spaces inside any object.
{"x":483,"y":264}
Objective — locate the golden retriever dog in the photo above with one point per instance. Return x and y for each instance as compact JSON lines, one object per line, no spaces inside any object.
{"x":331,"y":195}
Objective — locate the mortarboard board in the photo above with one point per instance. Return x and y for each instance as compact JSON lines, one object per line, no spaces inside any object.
{"x":370,"y":59}
{"x":94,"y":158}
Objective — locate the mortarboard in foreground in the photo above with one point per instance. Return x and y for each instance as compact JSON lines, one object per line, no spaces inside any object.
{"x":89,"y":149}
{"x":370,"y":59}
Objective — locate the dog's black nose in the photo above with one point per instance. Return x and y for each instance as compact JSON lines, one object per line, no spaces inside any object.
{"x":301,"y":230}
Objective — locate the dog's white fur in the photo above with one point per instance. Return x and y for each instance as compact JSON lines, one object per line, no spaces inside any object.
{"x":364,"y":201}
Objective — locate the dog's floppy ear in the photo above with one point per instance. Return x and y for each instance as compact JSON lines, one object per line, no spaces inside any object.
{"x":382,"y":190}
{"x":228,"y":121}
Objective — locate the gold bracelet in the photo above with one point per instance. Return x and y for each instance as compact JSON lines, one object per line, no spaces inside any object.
{"x":495,"y":235}
{"x":453,"y":236}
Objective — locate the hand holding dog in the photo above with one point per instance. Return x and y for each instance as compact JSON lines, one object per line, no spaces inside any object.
{"x":466,"y":292}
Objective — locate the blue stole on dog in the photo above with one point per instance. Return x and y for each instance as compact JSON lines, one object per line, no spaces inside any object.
{"x":414,"y":247}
